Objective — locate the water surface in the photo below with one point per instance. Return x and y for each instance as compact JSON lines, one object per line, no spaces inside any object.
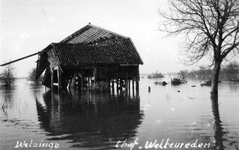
{"x":106,"y":120}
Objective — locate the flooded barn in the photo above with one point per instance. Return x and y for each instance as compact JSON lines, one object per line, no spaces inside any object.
{"x":90,"y":58}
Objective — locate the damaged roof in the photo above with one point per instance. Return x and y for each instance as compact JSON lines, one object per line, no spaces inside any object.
{"x":90,"y":33}
{"x":119,"y":51}
{"x":91,"y":45}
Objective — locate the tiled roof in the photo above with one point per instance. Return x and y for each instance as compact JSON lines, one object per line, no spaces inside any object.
{"x":111,"y":51}
{"x":91,"y":45}
{"x":90,"y":33}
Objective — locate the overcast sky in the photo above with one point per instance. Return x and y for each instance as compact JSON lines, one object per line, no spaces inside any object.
{"x":28,"y":26}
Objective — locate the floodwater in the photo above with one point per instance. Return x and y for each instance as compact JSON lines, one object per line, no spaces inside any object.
{"x":167,"y":117}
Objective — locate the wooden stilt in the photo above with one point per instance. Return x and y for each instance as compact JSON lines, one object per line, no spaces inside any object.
{"x":127,"y":84}
{"x":106,"y":77}
{"x":113,"y":86}
{"x":129,"y":87}
{"x":137,"y":81}
{"x":82,"y":82}
{"x":52,"y":75}
{"x":137,"y":87}
{"x":59,"y":78}
{"x":117,"y":80}
{"x":73,"y":81}
{"x":52,"y":92}
{"x":95,"y":76}
{"x":117,"y":83}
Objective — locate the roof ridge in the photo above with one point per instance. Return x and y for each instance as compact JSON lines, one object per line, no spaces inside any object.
{"x":81,"y":30}
{"x":108,"y":31}
{"x":73,"y":34}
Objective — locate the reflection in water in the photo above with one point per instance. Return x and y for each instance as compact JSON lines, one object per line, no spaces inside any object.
{"x":218,"y":128}
{"x":98,"y":120}
{"x":223,"y":139}
{"x":89,"y":119}
{"x":7,"y":103}
{"x":234,"y":86}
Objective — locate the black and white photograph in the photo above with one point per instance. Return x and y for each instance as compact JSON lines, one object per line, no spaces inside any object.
{"x":119,"y":74}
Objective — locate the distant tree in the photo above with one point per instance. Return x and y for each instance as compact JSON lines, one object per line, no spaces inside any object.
{"x":205,"y":72}
{"x":210,"y":27}
{"x":32,"y":76}
{"x":7,"y":77}
{"x":231,"y":70}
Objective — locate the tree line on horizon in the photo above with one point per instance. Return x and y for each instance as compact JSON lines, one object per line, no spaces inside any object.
{"x":228,"y":72}
{"x":7,"y":77}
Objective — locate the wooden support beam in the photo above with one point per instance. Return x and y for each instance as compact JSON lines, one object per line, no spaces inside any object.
{"x":137,"y":78}
{"x":106,"y":76}
{"x":73,"y":81}
{"x":95,"y":76}
{"x":59,"y":78}
{"x":88,"y":82}
{"x":19,"y":59}
{"x":133,"y":90}
{"x":113,"y":86}
{"x":55,"y":84}
{"x":127,"y":83}
{"x":52,"y":81}
{"x":137,"y":81}
{"x":117,"y":83}
{"x":137,"y":87}
{"x":110,"y":70}
{"x":117,"y":80}
{"x":82,"y":82}
{"x":129,"y":86}
{"x":128,"y":64}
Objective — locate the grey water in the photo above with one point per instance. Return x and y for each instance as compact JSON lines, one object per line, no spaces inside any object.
{"x":166,"y":117}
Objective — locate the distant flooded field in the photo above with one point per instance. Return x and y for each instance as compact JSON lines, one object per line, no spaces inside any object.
{"x":158,"y":117}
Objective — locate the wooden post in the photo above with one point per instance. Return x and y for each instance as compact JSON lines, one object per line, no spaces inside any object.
{"x":137,"y":87}
{"x":133,"y":90}
{"x":73,"y":81}
{"x":117,"y":80}
{"x":117,"y":83}
{"x":137,"y":81}
{"x":88,"y":82}
{"x":113,"y":86}
{"x":95,"y":76}
{"x":52,"y":75}
{"x":127,"y":83}
{"x":129,"y":87}
{"x":106,"y":78}
{"x":59,"y":78}
{"x":82,"y":82}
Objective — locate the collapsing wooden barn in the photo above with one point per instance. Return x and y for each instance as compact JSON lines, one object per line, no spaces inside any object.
{"x":90,"y":58}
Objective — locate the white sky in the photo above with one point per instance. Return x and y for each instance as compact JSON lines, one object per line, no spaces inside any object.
{"x":28,"y":26}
